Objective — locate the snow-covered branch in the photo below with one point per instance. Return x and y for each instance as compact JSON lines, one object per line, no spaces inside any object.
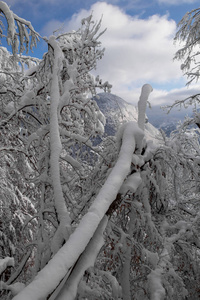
{"x":66,"y":257}
{"x":6,"y":262}
{"x":142,"y":104}
{"x":21,"y":37}
{"x":55,"y":150}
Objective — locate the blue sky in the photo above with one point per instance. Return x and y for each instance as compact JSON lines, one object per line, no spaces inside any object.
{"x":138,"y":41}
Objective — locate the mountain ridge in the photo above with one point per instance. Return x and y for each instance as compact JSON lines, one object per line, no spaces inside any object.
{"x":117,"y":111}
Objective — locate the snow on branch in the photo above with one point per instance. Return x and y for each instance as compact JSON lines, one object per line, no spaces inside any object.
{"x":67,"y":256}
{"x":6,"y":262}
{"x":157,"y":291}
{"x":188,"y":36}
{"x":86,"y":260}
{"x":55,"y":148}
{"x":10,"y":21}
{"x":142,"y":104}
{"x":14,"y":38}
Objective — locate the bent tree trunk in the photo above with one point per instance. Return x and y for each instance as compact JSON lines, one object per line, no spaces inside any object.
{"x":65,"y":263}
{"x":53,"y":273}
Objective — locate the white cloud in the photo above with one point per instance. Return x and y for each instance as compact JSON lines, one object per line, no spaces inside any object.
{"x":138,"y":51}
{"x":163,"y":97}
{"x":177,"y":2}
{"x":159,"y":97}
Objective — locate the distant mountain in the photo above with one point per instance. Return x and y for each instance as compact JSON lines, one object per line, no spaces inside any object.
{"x":117,"y":111}
{"x":167,"y":122}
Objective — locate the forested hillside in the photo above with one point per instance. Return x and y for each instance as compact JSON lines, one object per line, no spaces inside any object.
{"x":117,"y":219}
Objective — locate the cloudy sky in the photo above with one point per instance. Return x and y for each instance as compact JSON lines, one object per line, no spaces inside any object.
{"x":138,"y":41}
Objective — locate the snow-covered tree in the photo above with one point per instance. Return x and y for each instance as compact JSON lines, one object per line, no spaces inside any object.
{"x":17,"y":192}
{"x":188,"y":34}
{"x":117,"y":220}
{"x":56,"y":123}
{"x":188,"y":37}
{"x":182,"y":157}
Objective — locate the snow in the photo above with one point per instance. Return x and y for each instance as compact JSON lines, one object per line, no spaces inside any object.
{"x":152,"y":134}
{"x":15,"y":288}
{"x":6,"y":262}
{"x":31,"y":70}
{"x":155,"y":287}
{"x":44,"y":129}
{"x":182,"y":225}
{"x":117,"y":111}
{"x":137,"y":160}
{"x":10,"y":20}
{"x":55,"y":143}
{"x":142,"y":104}
{"x":23,"y":21}
{"x":151,"y":147}
{"x":65,"y":98}
{"x":131,"y":183}
{"x":86,"y":260}
{"x":66,"y":257}
{"x":99,"y":128}
{"x":116,"y":288}
{"x":74,"y":163}
{"x":3,"y":90}
{"x":61,"y":276}
{"x":101,"y":118}
{"x":138,"y":135}
{"x":27,"y":99}
{"x":152,"y":257}
{"x":9,"y":107}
